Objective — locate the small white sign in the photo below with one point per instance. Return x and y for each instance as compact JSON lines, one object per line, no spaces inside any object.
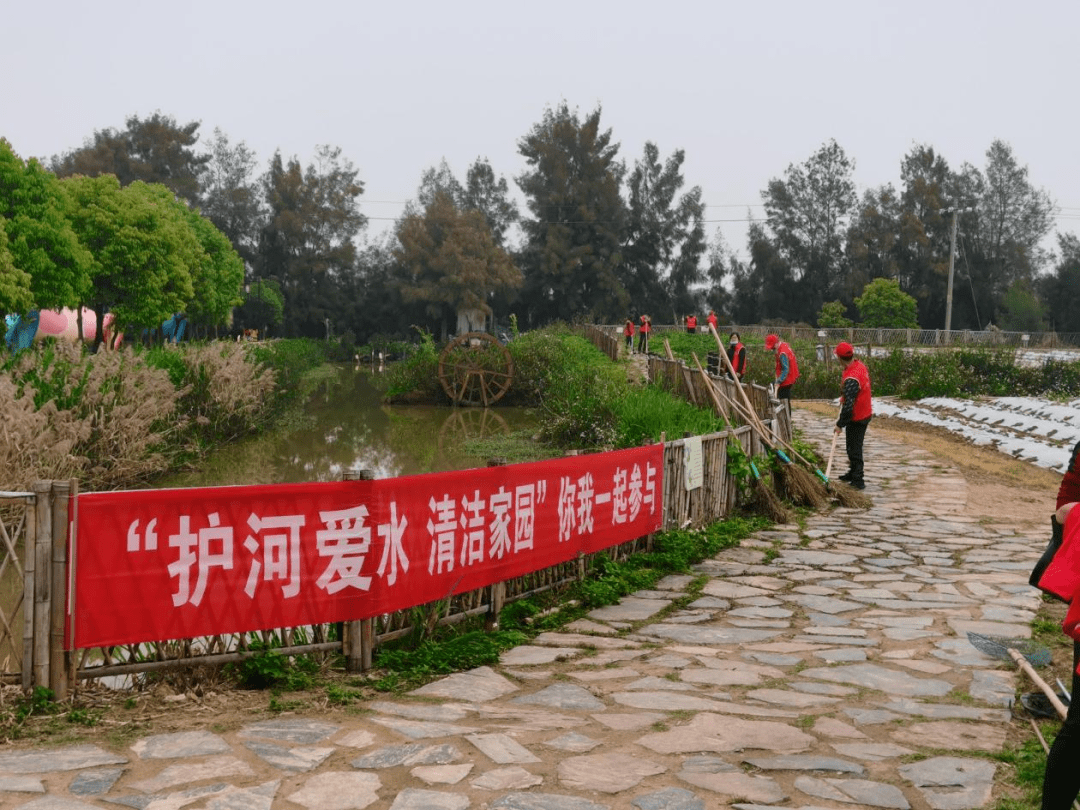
{"x":692,"y":465}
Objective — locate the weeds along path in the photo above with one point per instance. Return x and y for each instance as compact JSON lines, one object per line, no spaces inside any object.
{"x":822,"y":664}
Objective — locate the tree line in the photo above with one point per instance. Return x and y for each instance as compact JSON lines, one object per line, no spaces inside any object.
{"x":146,"y":221}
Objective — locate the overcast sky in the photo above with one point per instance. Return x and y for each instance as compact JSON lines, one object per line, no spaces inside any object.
{"x":744,"y":88}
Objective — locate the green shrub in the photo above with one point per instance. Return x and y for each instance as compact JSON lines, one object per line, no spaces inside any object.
{"x":416,"y":376}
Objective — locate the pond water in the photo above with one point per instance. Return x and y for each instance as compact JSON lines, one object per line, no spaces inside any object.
{"x":347,"y":426}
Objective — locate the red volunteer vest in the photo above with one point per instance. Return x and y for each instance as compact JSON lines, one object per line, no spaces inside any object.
{"x":862,"y":409}
{"x":740,"y":367}
{"x":793,"y":365}
{"x":691,"y":322}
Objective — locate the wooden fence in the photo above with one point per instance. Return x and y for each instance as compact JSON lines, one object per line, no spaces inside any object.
{"x":33,"y":531}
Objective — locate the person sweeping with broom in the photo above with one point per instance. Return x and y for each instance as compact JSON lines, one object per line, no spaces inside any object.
{"x":855,"y":412}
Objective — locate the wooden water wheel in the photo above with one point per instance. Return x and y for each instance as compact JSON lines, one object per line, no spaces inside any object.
{"x":475,"y":369}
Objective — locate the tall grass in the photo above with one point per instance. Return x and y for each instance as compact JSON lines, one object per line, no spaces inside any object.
{"x":112,"y":419}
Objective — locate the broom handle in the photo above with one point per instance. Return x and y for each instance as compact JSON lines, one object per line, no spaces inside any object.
{"x":712,"y":391}
{"x":832,"y":451}
{"x":747,"y":409}
{"x":1055,"y":701}
{"x":738,"y":384}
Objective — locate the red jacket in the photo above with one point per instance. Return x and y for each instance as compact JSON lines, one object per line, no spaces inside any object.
{"x":628,"y":330}
{"x":793,"y":365}
{"x":691,"y":321}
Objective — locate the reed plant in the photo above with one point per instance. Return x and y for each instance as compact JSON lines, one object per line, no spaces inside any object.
{"x":112,"y":419}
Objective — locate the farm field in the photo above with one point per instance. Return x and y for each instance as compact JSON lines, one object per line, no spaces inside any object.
{"x":1039,"y":431}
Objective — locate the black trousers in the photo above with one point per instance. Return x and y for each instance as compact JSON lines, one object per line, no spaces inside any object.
{"x":854,"y":434}
{"x":1062,"y":780}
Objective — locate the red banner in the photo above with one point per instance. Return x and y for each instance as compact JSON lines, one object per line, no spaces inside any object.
{"x":152,"y":565}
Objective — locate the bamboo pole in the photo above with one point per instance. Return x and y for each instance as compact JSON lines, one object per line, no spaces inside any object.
{"x":58,"y":681}
{"x":42,"y":582}
{"x":29,"y":581}
{"x":358,"y":635}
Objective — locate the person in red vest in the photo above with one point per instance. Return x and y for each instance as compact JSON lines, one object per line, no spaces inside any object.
{"x":856,"y":411}
{"x":1061,"y":781}
{"x":628,"y":333}
{"x":691,"y":324}
{"x":643,"y":334}
{"x":787,"y":367}
{"x":711,"y":320}
{"x":736,"y":353}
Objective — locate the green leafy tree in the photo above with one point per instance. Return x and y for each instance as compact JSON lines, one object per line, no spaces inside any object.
{"x":490,"y":195}
{"x":308,"y":241}
{"x":231,"y":198}
{"x":41,"y":242}
{"x":1060,"y":288}
{"x":574,"y":230}
{"x":884,"y":305}
{"x":142,"y":245}
{"x":1021,"y":309}
{"x":833,"y":315}
{"x":15,"y":295}
{"x":872,"y":241}
{"x":807,"y":213}
{"x":451,"y":261}
{"x":665,"y":237}
{"x":1003,"y":247}
{"x":217,"y":279}
{"x":923,"y":234}
{"x":154,"y":150}
{"x":263,"y":306}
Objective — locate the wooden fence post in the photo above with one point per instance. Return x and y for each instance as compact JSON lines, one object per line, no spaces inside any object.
{"x":29,"y":581}
{"x":358,"y":635}
{"x":497,"y":594}
{"x":58,"y":670}
{"x":42,"y":542}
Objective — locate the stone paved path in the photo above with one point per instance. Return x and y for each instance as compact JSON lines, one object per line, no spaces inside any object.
{"x":813,"y":666}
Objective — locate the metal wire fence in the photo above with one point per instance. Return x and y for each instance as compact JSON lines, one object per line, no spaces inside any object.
{"x":890,"y":337}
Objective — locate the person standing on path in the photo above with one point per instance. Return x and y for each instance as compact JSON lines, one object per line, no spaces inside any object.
{"x":711,"y":320}
{"x":787,"y":367}
{"x":1061,"y":782}
{"x":628,"y":333}
{"x":643,"y":334}
{"x":691,"y":324}
{"x":856,"y":411}
{"x":736,"y":353}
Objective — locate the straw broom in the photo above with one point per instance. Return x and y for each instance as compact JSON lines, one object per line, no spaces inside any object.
{"x":763,"y":499}
{"x":800,"y":485}
{"x":813,"y":489}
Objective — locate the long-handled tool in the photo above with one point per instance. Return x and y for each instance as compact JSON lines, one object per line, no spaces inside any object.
{"x":1024,"y":653}
{"x":832,"y":452}
{"x":800,"y":485}
{"x":844,"y":494}
{"x":764,"y":498}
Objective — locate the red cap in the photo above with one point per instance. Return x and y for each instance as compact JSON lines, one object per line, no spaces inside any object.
{"x":845,"y":350}
{"x":771,"y":341}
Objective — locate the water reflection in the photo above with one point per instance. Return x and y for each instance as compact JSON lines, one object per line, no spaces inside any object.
{"x":346,"y":426}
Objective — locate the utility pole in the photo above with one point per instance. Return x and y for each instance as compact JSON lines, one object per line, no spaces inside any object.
{"x":952,"y":261}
